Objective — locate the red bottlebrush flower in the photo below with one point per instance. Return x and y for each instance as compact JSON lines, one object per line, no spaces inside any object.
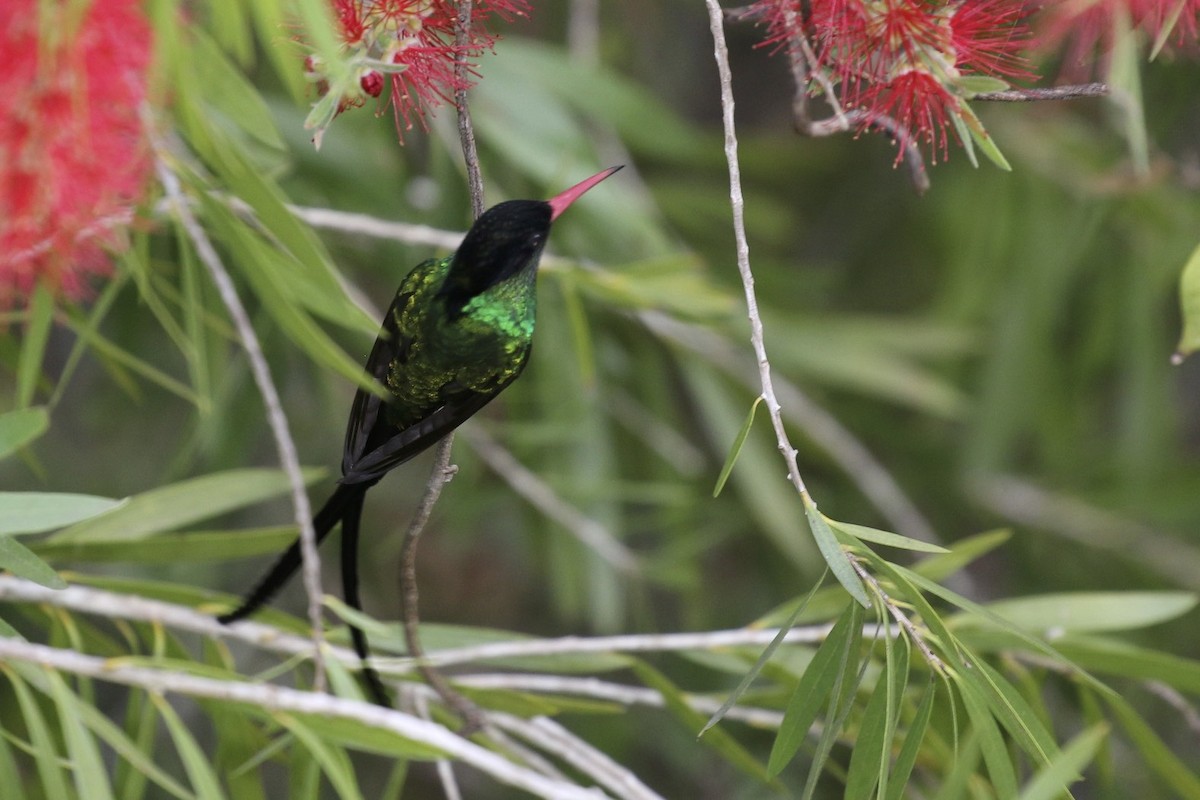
{"x":988,"y":37}
{"x":918,"y":103}
{"x":418,"y":38}
{"x":1091,"y":27}
{"x":903,"y":59}
{"x":73,"y":157}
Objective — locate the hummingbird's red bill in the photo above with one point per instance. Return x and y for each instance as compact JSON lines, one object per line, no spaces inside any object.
{"x":561,"y":201}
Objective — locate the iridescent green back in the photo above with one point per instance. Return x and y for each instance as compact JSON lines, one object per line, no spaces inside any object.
{"x":439,"y":356}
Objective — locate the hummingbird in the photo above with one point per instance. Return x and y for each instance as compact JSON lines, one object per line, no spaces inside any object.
{"x":458,"y":332}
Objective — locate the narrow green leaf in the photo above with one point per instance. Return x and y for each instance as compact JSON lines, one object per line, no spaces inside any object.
{"x":749,"y":677}
{"x":1167,"y":28}
{"x":33,"y":345}
{"x":962,"y":553}
{"x":965,"y":137}
{"x":1129,"y":660}
{"x":199,"y":769}
{"x":171,"y":548}
{"x":870,"y":745}
{"x":717,"y":739}
{"x":17,"y":559}
{"x":122,"y":358}
{"x":906,"y":759}
{"x":87,"y":766}
{"x":231,"y":94}
{"x":19,"y":428}
{"x":355,"y":735}
{"x":332,"y":760}
{"x":835,"y":557}
{"x":171,"y":507}
{"x":10,"y":773}
{"x":1189,"y":301}
{"x":962,"y":770}
{"x":45,"y":748}
{"x":980,"y":84}
{"x":1055,"y":778}
{"x":1158,"y":757}
{"x":1125,"y":81}
{"x":982,"y":138}
{"x":841,"y":700}
{"x":134,"y":743}
{"x":811,"y":692}
{"x":35,"y":512}
{"x":884,"y":537}
{"x":736,"y":450}
{"x":991,"y":743}
{"x":1084,"y":612}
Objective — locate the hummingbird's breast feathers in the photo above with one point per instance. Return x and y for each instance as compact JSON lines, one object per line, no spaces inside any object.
{"x":437,"y":355}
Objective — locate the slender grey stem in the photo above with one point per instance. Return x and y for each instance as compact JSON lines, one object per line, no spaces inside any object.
{"x":276,"y":419}
{"x":442,"y":470}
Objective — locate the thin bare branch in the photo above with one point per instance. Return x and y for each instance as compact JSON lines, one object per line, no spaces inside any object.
{"x":442,"y":470}
{"x":276,"y":419}
{"x":1051,"y":93}
{"x":527,"y":484}
{"x":757,"y":340}
{"x":620,"y":693}
{"x":554,"y":738}
{"x":901,"y":618}
{"x":278,"y":698}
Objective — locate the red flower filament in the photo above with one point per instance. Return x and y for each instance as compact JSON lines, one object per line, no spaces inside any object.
{"x":73,"y":158}
{"x":418,"y":36}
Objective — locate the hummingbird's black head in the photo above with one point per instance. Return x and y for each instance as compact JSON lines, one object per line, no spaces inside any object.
{"x":506,"y":239}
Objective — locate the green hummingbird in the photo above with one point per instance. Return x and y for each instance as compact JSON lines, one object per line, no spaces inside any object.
{"x":458,"y":332}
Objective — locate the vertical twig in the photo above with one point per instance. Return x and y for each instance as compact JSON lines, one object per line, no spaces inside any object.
{"x":274,"y":409}
{"x":721,"y":52}
{"x":442,"y":470}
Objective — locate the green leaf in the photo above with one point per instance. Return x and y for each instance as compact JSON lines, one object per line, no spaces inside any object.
{"x":171,"y":507}
{"x":19,"y":428}
{"x":749,"y":677}
{"x":33,"y":345}
{"x":886,"y":538}
{"x":869,"y":757}
{"x":1125,"y":81}
{"x":1157,"y":756}
{"x":980,"y":84}
{"x":122,"y":358}
{"x":1128,"y":660}
{"x":982,"y":138}
{"x":991,"y":743}
{"x":906,"y":759}
{"x":230,"y":94}
{"x":332,"y":760}
{"x":814,"y":687}
{"x":1064,"y":769}
{"x":962,"y":553}
{"x":45,"y":748}
{"x":17,"y":559}
{"x":87,"y":766}
{"x":35,"y":512}
{"x":717,"y":738}
{"x":835,"y":557}
{"x":193,"y":547}
{"x":1084,"y":612}
{"x":199,"y":768}
{"x":731,"y":459}
{"x":1167,"y":28}
{"x":355,"y":735}
{"x":1189,"y":301}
